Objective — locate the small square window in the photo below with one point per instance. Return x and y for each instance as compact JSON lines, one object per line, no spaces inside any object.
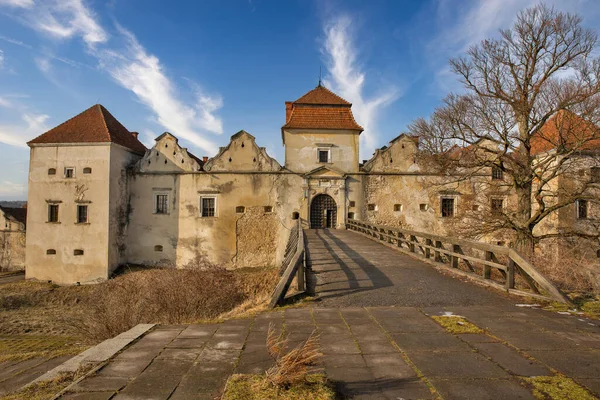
{"x":161,"y":204}
{"x":52,"y":171}
{"x":352,"y":204}
{"x":295,"y":215}
{"x":268,"y":209}
{"x":423,"y":207}
{"x":323,"y":156}
{"x":398,"y":207}
{"x":350,"y":215}
{"x":208,"y":207}
{"x":50,"y":252}
{"x":87,"y":170}
{"x":158,"y":247}
{"x":497,"y":173}
{"x":497,"y":206}
{"x":240,"y":209}
{"x":69,"y":172}
{"x":82,"y":214}
{"x":582,"y":209}
{"x":52,"y":212}
{"x":371,"y":207}
{"x":78,"y":252}
{"x":447,"y":207}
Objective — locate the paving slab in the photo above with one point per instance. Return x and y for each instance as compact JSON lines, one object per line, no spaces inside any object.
{"x":481,"y":389}
{"x":510,"y":359}
{"x":422,"y":341}
{"x":572,"y":363}
{"x":456,"y":365}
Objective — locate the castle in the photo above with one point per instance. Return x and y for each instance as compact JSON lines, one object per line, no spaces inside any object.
{"x":98,"y":198}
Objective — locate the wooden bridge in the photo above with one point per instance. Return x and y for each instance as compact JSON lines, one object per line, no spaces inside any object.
{"x":494,"y":266}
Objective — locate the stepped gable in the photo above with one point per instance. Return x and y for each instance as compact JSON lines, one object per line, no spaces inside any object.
{"x":321,"y":109}
{"x":94,"y":125}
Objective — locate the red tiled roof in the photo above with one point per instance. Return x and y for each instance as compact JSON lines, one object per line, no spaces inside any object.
{"x":307,"y":117}
{"x":322,"y":95}
{"x":94,"y":125}
{"x":568,"y":130}
{"x":19,"y":214}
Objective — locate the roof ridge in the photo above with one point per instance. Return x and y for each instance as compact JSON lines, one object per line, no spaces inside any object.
{"x":101,"y":108}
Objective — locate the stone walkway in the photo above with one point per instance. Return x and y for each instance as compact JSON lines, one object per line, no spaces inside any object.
{"x":373,"y":315}
{"x":373,"y":353}
{"x":14,"y":374}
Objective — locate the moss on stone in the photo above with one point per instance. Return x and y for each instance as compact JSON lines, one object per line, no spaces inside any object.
{"x":256,"y":387}
{"x":557,"y":388}
{"x":456,"y":325}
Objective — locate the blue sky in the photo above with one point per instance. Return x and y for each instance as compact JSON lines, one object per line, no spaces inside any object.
{"x":203,"y":70}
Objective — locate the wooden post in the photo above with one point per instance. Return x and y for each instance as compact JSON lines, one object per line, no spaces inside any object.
{"x":411,"y":246}
{"x":427,"y":249}
{"x":437,"y":254}
{"x":300,"y":277}
{"x":454,"y":259}
{"x":510,"y":274}
{"x":487,"y":270}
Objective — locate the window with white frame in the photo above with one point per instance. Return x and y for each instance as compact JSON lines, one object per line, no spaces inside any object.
{"x":324,"y":155}
{"x":208,"y":206}
{"x":161,"y":203}
{"x":69,"y":172}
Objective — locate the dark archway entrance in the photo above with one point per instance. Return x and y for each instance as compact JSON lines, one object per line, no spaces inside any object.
{"x":323,"y":212}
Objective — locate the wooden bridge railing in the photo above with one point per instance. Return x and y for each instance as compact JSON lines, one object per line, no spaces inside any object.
{"x":293,"y":265}
{"x":480,"y":259}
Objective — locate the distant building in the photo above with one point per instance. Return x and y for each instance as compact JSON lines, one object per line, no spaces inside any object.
{"x":98,"y":198}
{"x":12,"y":238}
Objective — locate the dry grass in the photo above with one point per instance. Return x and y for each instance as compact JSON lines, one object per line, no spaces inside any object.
{"x":294,"y":366}
{"x":557,"y":388}
{"x":25,"y":347}
{"x":456,"y":325}
{"x":256,"y":387}
{"x":575,"y":272}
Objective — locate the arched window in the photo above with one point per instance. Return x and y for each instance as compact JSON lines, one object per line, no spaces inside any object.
{"x":51,"y":171}
{"x":87,"y":170}
{"x":158,"y":247}
{"x":50,"y":251}
{"x":77,"y":252}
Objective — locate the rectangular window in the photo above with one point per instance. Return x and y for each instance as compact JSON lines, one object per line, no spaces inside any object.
{"x":52,"y":212}
{"x":371,"y":207}
{"x":497,"y":206}
{"x":350,"y":215}
{"x":323,"y":156}
{"x":352,"y":204}
{"x":398,"y":207}
{"x":497,"y":173}
{"x":582,"y":209}
{"x":69,"y":172}
{"x":447,"y":207}
{"x":161,"y":204}
{"x":82,"y":214}
{"x":208,"y":206}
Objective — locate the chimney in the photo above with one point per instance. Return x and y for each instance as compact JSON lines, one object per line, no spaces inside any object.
{"x":288,"y":110}
{"x":135,"y":134}
{"x":204,"y":159}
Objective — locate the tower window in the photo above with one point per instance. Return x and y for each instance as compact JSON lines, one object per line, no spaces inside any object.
{"x":582,"y":209}
{"x":497,"y":173}
{"x":87,"y":170}
{"x":324,"y":155}
{"x":69,"y":172}
{"x":161,"y":203}
{"x":52,"y":212}
{"x":78,"y":252}
{"x":52,"y":171}
{"x":447,"y":207}
{"x":82,"y":214}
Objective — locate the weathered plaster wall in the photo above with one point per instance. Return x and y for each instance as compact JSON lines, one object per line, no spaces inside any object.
{"x":12,"y":244}
{"x":301,"y":149}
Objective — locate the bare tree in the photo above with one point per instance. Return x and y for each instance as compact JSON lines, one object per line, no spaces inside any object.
{"x":530,"y":108}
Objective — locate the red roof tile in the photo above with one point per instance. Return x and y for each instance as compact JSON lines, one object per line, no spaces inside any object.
{"x":320,"y":109}
{"x":566,"y":129}
{"x":322,"y":95}
{"x":94,"y":125}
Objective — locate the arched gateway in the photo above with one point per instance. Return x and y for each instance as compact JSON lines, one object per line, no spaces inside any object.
{"x":323,"y":212}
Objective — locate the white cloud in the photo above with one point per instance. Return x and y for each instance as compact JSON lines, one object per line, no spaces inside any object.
{"x":5,"y":103}
{"x":1,"y":59}
{"x":142,"y":73}
{"x":347,"y":78}
{"x":17,"y":3}
{"x":17,"y":135}
{"x":10,"y":189}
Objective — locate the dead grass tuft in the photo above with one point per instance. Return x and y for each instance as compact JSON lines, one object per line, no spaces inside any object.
{"x":557,"y":388}
{"x":294,"y":366}
{"x":575,"y":272}
{"x":256,"y":387}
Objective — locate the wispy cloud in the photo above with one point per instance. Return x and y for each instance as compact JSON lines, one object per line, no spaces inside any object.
{"x":17,"y":3}
{"x":142,"y":73}
{"x":17,"y":135}
{"x":347,"y":78}
{"x":1,"y":59}
{"x":131,"y":66}
{"x":10,"y":189}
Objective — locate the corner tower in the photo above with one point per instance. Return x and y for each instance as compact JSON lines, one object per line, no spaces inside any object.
{"x":320,"y":131}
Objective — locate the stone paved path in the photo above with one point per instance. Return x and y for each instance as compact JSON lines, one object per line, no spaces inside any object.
{"x":14,"y":374}
{"x":376,"y":331}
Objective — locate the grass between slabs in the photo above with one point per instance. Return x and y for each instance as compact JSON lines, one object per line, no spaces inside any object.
{"x":557,"y":388}
{"x":258,"y":387}
{"x":456,"y":325}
